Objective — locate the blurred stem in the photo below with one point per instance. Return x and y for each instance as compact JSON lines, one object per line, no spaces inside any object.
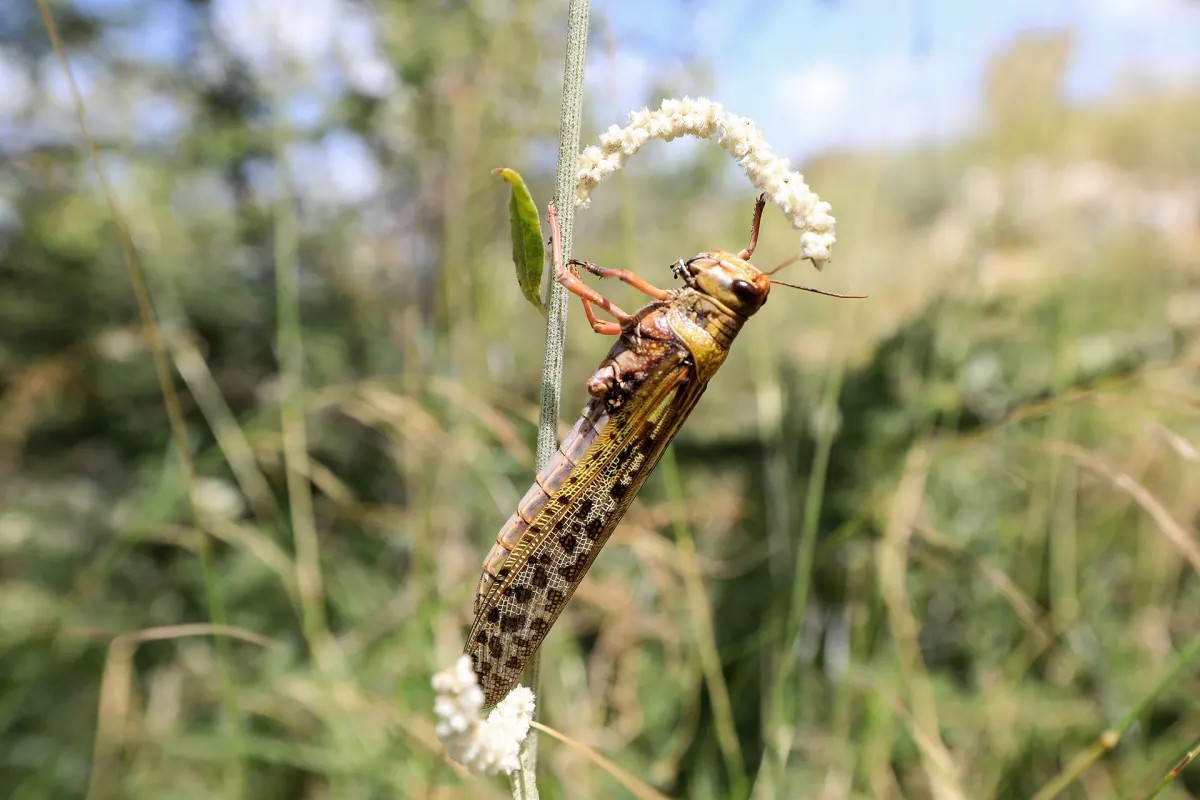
{"x":782,"y":720}
{"x":1060,"y":525}
{"x":1176,"y":770}
{"x":290,"y":346}
{"x":524,"y":780}
{"x":1109,"y":739}
{"x":104,"y":774}
{"x":827,"y":414}
{"x":702,"y":626}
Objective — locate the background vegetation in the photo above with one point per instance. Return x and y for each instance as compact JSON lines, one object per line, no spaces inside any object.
{"x":934,"y":543}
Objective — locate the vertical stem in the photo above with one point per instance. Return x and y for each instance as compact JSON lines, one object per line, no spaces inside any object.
{"x":782,"y":698}
{"x":524,"y":785}
{"x":290,"y":346}
{"x":570,"y":121}
{"x":811,"y":518}
{"x":702,"y":625}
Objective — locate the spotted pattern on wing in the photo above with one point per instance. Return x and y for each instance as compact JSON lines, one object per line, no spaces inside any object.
{"x":548,"y":557}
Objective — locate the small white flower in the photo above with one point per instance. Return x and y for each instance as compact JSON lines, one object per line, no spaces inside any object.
{"x":821,"y":221}
{"x":709,"y":111}
{"x":815,"y":246}
{"x":218,"y":498}
{"x":492,"y":745}
{"x":590,"y":157}
{"x":611,"y":163}
{"x":777,"y":171}
{"x":739,"y":137}
{"x":640,"y":118}
{"x":633,"y":139}
{"x":612,"y":137}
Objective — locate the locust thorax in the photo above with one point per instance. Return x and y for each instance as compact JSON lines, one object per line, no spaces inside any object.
{"x":731,"y":281}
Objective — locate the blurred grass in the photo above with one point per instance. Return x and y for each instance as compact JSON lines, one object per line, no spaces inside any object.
{"x":936,"y":543}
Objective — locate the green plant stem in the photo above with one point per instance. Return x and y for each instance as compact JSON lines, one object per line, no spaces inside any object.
{"x":524,"y":780}
{"x":702,"y":626}
{"x":1109,"y":739}
{"x":782,"y":698}
{"x":290,"y":346}
{"x":1175,"y":771}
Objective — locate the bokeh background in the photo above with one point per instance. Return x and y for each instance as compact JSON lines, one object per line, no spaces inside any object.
{"x":930,"y":544}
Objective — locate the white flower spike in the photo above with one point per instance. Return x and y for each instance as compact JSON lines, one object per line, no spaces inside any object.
{"x":489,"y":746}
{"x":492,"y":745}
{"x":739,"y":137}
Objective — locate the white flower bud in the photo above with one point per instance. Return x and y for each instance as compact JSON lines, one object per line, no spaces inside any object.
{"x":490,"y":745}
{"x":739,"y":137}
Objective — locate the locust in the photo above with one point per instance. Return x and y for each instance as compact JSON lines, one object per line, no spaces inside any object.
{"x":641,"y":395}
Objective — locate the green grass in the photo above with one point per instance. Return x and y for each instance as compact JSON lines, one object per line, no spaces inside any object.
{"x":937,"y":543}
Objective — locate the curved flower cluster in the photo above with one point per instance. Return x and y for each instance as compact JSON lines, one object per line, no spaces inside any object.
{"x":739,"y":137}
{"x":490,"y":745}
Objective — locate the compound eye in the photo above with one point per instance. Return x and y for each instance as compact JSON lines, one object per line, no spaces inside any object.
{"x":745,"y":292}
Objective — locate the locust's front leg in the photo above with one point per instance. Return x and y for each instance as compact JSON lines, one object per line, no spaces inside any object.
{"x":633,"y":279}
{"x":571,"y":281}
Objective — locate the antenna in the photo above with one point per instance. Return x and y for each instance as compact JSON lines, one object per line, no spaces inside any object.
{"x":820,"y":291}
{"x":791,"y":260}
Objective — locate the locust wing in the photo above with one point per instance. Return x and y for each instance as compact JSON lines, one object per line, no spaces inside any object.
{"x":514,"y":611}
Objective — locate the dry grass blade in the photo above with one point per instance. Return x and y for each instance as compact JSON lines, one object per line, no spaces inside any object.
{"x":254,"y":541}
{"x":377,"y":406}
{"x":1185,"y":449}
{"x":939,"y":764}
{"x":24,"y":399}
{"x":495,"y":423}
{"x":1175,"y":532}
{"x":636,"y":787}
{"x":1021,"y":604}
{"x":703,"y":625}
{"x":116,"y":689}
{"x":236,"y":448}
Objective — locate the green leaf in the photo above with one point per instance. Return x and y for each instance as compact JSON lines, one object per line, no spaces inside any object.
{"x":528,"y":251}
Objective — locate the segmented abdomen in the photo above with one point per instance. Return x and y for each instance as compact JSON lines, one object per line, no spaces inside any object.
{"x":547,"y":482}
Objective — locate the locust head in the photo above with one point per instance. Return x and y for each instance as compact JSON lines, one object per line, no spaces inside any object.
{"x":727,"y":278}
{"x":732,"y":280}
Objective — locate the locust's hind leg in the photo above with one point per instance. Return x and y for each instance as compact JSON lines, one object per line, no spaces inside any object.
{"x":569,"y":278}
{"x":633,"y":279}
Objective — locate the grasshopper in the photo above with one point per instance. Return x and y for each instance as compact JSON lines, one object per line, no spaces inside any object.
{"x":644,"y":390}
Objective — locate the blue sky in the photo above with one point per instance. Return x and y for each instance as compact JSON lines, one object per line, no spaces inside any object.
{"x":814,"y":73}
